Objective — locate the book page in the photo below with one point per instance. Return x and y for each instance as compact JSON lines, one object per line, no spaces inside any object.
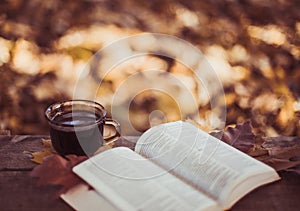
{"x":131,"y":182}
{"x":82,"y":198}
{"x":202,"y":160}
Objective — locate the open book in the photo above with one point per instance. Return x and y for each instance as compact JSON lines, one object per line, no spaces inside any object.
{"x":175,"y":166}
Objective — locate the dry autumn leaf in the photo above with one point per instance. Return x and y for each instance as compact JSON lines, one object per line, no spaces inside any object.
{"x":240,"y":136}
{"x":39,"y":156}
{"x":283,"y":153}
{"x":57,"y":170}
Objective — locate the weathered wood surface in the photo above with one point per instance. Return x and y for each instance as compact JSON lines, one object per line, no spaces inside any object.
{"x":281,"y":195}
{"x":12,"y":154}
{"x":19,"y":191}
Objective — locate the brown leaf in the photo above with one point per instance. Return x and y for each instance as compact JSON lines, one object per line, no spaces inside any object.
{"x":283,"y":153}
{"x":281,"y":144}
{"x":257,"y":151}
{"x":240,"y":136}
{"x":56,"y":170}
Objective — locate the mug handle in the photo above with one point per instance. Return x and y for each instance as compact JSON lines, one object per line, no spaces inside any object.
{"x":111,"y":138}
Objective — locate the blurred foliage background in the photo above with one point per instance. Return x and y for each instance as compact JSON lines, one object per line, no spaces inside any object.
{"x":255,"y":45}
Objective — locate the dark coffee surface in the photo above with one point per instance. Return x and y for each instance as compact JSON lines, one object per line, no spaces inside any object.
{"x":76,"y":118}
{"x":79,"y":133}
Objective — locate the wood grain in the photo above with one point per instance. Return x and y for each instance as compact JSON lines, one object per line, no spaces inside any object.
{"x":12,"y":154}
{"x":19,"y":192}
{"x":281,"y":195}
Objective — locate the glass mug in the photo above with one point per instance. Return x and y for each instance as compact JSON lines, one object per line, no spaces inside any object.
{"x":77,"y":127}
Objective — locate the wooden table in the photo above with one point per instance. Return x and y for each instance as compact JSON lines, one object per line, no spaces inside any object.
{"x":19,"y":191}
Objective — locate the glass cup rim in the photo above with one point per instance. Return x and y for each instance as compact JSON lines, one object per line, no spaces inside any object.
{"x":89,"y":103}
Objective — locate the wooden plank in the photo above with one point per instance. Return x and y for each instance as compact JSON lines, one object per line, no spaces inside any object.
{"x":19,"y":191}
{"x":281,"y":195}
{"x":12,"y":149}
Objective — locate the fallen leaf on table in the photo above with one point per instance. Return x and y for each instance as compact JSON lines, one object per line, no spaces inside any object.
{"x":240,"y":136}
{"x":47,"y":144}
{"x":39,"y":156}
{"x":281,"y":144}
{"x":257,"y":151}
{"x":283,"y":153}
{"x":56,"y":170}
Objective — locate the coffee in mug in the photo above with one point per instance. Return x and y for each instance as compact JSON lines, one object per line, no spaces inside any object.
{"x":77,"y":126}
